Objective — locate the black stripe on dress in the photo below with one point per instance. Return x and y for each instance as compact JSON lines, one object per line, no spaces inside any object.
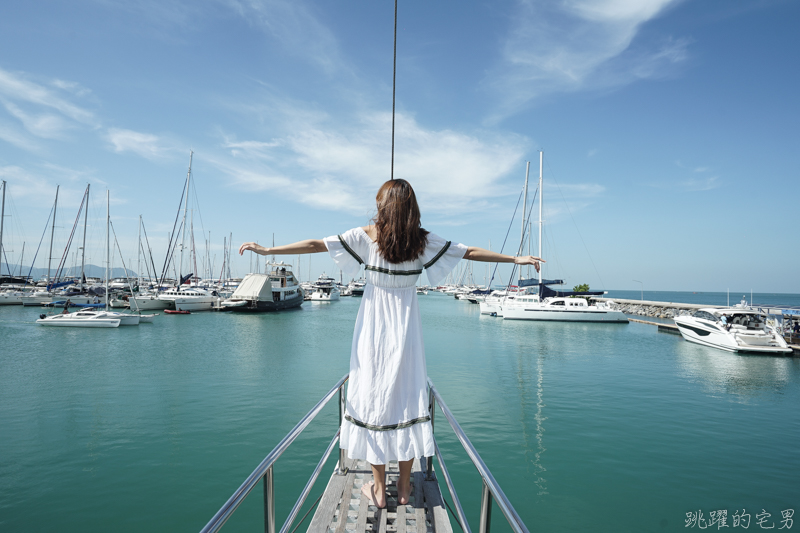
{"x":393,"y":272}
{"x":350,"y":250}
{"x":440,"y":254}
{"x":391,"y":427}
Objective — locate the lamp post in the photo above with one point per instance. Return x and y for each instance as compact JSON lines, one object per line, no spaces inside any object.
{"x":642,"y":287}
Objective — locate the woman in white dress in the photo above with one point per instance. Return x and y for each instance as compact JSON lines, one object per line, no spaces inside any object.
{"x":386,"y":417}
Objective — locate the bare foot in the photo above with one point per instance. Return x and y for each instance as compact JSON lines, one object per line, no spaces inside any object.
{"x":378,"y":500}
{"x":403,"y":493}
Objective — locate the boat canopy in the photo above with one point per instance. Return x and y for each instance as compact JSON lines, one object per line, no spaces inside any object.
{"x":547,"y":292}
{"x":532,"y":282}
{"x":254,"y":286}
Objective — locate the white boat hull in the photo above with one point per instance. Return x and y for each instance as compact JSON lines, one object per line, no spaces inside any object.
{"x":10,"y":298}
{"x":151,"y":303}
{"x":552,"y":314}
{"x":71,"y":321}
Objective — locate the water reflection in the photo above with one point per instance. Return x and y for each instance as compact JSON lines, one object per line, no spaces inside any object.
{"x":533,"y":452}
{"x":741,"y":375}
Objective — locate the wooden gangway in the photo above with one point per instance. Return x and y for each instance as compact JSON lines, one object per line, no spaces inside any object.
{"x":343,"y":508}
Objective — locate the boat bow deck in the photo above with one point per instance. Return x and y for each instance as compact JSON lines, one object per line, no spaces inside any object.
{"x":344,"y":508}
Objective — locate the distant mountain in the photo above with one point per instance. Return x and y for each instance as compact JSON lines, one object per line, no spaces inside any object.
{"x":92,"y":271}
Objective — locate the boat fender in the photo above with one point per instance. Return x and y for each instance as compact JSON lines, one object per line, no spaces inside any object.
{"x":43,"y":316}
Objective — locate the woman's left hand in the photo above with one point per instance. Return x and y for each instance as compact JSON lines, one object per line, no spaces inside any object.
{"x":529,"y":260}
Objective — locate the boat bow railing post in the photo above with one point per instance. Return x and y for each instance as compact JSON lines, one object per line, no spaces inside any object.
{"x":341,"y":469}
{"x":264,"y":470}
{"x":491,"y":489}
{"x":431,"y":410}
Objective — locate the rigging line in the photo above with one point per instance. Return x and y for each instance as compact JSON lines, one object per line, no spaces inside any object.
{"x":523,"y":241}
{"x":394,"y":82}
{"x":504,"y":240}
{"x":65,"y":256}
{"x":150,"y":250}
{"x":46,"y":224}
{"x":185,"y":192}
{"x":576,"y":227}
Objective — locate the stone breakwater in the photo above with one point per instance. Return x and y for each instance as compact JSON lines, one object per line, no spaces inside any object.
{"x":653,"y":309}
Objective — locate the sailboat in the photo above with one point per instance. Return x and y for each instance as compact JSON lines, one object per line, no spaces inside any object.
{"x":550,"y":305}
{"x":90,"y":318}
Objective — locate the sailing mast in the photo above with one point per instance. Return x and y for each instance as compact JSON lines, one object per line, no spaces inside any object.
{"x":541,"y":268}
{"x":524,"y":205}
{"x":83,"y":248}
{"x":2,"y":218}
{"x":108,"y":244}
{"x":183,"y":237}
{"x":139,"y":257}
{"x":52,"y":232}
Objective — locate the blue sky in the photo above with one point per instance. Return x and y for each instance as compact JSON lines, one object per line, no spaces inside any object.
{"x":669,"y":128}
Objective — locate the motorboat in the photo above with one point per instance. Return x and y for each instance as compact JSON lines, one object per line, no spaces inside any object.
{"x":80,"y":319}
{"x":734,"y":330}
{"x":560,"y":309}
{"x":189,"y":299}
{"x":357,"y":287}
{"x":324,"y":290}
{"x":275,"y":291}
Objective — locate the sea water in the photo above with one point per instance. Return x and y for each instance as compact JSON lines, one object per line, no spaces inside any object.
{"x":587,"y":427}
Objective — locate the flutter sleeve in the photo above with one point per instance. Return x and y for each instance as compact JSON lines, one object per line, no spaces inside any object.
{"x":347,"y":251}
{"x":440,"y":257}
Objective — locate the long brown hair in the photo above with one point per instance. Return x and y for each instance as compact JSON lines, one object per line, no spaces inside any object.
{"x":400,"y":236}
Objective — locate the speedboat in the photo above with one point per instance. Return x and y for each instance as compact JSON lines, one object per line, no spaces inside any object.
{"x":560,"y":309}
{"x":734,"y":330}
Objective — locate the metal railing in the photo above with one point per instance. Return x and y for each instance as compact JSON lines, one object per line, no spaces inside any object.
{"x":491,"y":491}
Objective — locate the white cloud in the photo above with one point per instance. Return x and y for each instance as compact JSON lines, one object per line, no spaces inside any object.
{"x":577,"y":45}
{"x":45,"y":125}
{"x":146,"y":145}
{"x":16,"y":88}
{"x":340,"y":167}
{"x":296,"y":28}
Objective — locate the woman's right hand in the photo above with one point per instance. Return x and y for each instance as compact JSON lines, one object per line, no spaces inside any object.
{"x":253,"y":247}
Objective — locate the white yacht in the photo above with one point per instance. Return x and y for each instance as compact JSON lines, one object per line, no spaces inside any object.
{"x":189,"y":299}
{"x":149,"y":302}
{"x":734,"y":330}
{"x":559,"y":309}
{"x":325,"y":290}
{"x":11,"y":297}
{"x":357,"y":287}
{"x":275,"y":291}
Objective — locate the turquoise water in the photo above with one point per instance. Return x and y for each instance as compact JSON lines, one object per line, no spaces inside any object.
{"x":587,"y":427}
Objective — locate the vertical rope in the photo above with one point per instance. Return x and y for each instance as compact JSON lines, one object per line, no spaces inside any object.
{"x":394,"y":81}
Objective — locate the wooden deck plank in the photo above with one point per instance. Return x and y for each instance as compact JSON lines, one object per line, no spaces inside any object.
{"x":344,"y":510}
{"x":419,"y":502}
{"x":437,"y":514}
{"x":361,"y":521}
{"x":327,"y":505}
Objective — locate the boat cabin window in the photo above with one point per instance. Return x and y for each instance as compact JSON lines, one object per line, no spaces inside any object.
{"x":705,"y":315}
{"x":558,"y":302}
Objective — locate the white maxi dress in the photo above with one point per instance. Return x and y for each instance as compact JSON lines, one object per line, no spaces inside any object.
{"x":386,"y":417}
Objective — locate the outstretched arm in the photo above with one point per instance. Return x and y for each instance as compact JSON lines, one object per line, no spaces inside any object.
{"x":479,"y":254}
{"x":309,"y":246}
